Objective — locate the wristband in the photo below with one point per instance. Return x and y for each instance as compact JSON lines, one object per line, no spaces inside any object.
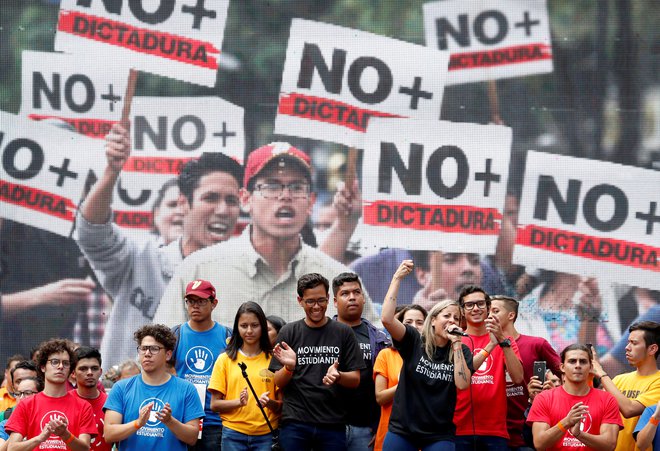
{"x":486,"y":353}
{"x":136,"y":425}
{"x":561,"y":427}
{"x":654,"y":421}
{"x":287,"y":370}
{"x":70,"y":439}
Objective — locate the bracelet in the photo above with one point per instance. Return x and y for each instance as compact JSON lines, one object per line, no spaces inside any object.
{"x":654,"y":421}
{"x":70,"y":439}
{"x":287,"y":369}
{"x":605,"y":375}
{"x":562,"y":427}
{"x":486,"y":353}
{"x":136,"y":425}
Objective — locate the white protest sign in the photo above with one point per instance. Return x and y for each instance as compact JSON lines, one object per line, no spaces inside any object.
{"x":43,"y":172}
{"x":592,"y":218}
{"x":179,"y":39}
{"x":422,"y":177}
{"x":166,"y":133}
{"x":335,"y":79}
{"x":490,"y":39}
{"x":62,"y":86}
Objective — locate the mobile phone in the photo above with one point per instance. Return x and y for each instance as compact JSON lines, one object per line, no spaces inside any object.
{"x":539,"y":370}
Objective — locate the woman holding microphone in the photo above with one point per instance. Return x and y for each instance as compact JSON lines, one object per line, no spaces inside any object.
{"x":435,"y":365}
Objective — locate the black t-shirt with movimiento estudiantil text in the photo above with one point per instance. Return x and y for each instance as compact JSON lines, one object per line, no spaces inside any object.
{"x":425,"y":398}
{"x":306,"y":398}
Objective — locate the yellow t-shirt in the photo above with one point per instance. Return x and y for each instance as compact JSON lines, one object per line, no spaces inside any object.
{"x":644,"y":389}
{"x":6,"y":400}
{"x":227,"y":379}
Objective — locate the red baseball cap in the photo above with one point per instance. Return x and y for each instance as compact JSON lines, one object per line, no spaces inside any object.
{"x":201,"y":288}
{"x":259,"y":158}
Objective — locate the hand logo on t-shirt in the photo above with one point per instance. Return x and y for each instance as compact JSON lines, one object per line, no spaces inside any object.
{"x":199,"y":359}
{"x":157,"y":406}
{"x":52,"y":415}
{"x":485,"y":366}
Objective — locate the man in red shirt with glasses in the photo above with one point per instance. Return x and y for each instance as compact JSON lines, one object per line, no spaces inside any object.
{"x":54,"y":419}
{"x":480,"y":415}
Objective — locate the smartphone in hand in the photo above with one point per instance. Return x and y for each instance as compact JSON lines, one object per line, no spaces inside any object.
{"x":539,"y":370}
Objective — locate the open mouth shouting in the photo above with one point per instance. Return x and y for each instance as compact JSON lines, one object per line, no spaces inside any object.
{"x":218,"y":230}
{"x":285,"y":213}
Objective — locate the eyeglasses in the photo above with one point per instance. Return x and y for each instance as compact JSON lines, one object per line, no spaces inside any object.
{"x":471,"y":305}
{"x":23,"y":394}
{"x":197,"y":302}
{"x":298,"y":190}
{"x":57,"y":362}
{"x":152,"y":349}
{"x":311,"y":302}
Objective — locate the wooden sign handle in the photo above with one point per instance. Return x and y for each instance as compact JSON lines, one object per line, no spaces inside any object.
{"x":435,"y":264}
{"x":351,"y":167}
{"x":128,"y":97}
{"x":494,"y":100}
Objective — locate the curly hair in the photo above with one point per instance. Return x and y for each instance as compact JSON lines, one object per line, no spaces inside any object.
{"x":161,"y":333}
{"x":55,"y":346}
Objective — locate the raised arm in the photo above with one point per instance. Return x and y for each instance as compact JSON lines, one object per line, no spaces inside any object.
{"x":348,"y":205}
{"x":395,"y":327}
{"x":96,"y":208}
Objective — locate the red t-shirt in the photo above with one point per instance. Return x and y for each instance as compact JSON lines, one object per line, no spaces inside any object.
{"x":552,"y":405}
{"x":97,"y":443}
{"x":488,"y":386}
{"x":33,"y":414}
{"x":531,"y":349}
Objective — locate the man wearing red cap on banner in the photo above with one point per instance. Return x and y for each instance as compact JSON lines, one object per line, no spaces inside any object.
{"x":264,"y":263}
{"x":200,"y":341}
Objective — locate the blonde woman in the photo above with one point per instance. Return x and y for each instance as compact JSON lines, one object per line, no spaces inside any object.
{"x":435,"y":365}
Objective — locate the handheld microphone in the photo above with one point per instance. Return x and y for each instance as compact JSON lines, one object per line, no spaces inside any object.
{"x":457,"y":332}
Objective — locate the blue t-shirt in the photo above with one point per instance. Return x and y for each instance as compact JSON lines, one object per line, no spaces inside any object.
{"x":129,"y":395}
{"x":3,"y":432}
{"x":196,"y":353}
{"x":643,"y":420}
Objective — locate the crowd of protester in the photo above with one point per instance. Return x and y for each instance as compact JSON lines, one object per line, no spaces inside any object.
{"x":434,"y":360}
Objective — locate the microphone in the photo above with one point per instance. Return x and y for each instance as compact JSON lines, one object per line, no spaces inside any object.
{"x":457,"y":332}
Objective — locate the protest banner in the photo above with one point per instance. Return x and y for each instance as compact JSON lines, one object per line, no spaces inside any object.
{"x":167,"y":132}
{"x":179,"y":39}
{"x":61,"y":86}
{"x":591,"y":218}
{"x":335,"y":79}
{"x":490,"y":39}
{"x":423,"y":177}
{"x":43,"y":172}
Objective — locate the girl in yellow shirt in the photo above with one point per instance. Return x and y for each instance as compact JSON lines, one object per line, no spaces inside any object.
{"x":243,"y":424}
